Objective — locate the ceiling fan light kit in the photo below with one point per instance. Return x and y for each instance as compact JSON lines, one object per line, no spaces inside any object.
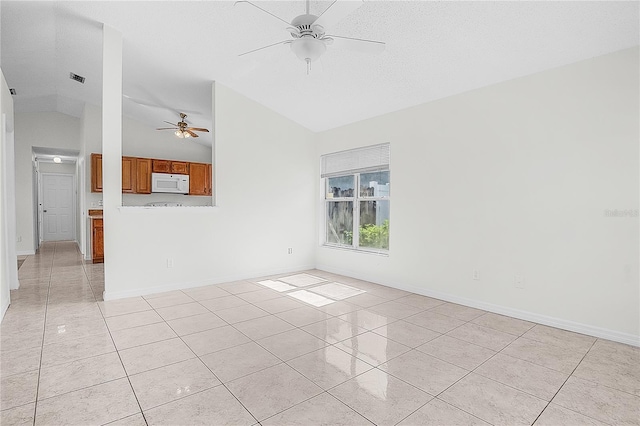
{"x":181,"y":134}
{"x":182,"y":130}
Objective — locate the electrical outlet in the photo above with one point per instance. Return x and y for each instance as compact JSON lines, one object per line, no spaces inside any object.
{"x":289,"y":250}
{"x":169,"y":263}
{"x":519,"y":281}
{"x":20,"y":238}
{"x":476,"y":274}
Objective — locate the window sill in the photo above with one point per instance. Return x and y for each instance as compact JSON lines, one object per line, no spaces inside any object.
{"x":384,"y":253}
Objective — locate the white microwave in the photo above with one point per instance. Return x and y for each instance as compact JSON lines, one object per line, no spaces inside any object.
{"x":164,"y":182}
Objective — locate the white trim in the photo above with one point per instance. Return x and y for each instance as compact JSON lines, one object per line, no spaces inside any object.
{"x":384,"y":253}
{"x":25,"y":252}
{"x":193,"y":284}
{"x":5,"y":306}
{"x":603,"y":333}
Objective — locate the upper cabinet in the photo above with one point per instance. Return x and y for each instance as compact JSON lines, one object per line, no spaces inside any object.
{"x":173,"y":167}
{"x":96,"y":172}
{"x":143,"y":175}
{"x":179,"y":168}
{"x":200,"y":179}
{"x":129,"y":175}
{"x":161,"y":166}
{"x":136,"y":174}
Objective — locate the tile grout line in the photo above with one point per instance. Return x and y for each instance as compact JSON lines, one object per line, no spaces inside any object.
{"x":116,"y":351}
{"x":44,"y":329}
{"x":214,"y":375}
{"x":564,"y":383}
{"x":177,"y":362}
{"x":251,"y":340}
{"x":233,"y":325}
{"x":124,"y":369}
{"x":448,"y":387}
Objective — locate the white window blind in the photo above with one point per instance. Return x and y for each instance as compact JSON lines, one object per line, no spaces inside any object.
{"x":360,"y":160}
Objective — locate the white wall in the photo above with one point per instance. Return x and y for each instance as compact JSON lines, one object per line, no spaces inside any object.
{"x":66,"y":168}
{"x":265,"y":204}
{"x":8,"y":257}
{"x":514,"y":179}
{"x":42,"y":129}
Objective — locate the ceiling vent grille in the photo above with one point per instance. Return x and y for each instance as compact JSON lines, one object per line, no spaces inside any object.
{"x":13,"y":91}
{"x":76,"y":77}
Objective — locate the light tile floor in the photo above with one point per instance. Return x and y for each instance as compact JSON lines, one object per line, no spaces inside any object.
{"x":243,"y":353}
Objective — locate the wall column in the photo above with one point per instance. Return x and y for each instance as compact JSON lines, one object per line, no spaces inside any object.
{"x":111,"y":139}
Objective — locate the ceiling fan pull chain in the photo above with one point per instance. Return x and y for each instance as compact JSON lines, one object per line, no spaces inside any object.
{"x":308,"y":61}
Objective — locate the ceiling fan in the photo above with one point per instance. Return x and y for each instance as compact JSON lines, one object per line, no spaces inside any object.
{"x":309,"y":38}
{"x":182,"y":130}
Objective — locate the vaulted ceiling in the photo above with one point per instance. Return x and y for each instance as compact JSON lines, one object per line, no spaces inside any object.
{"x":173,"y":50}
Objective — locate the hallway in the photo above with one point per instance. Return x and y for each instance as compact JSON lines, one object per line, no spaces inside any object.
{"x":56,"y":303}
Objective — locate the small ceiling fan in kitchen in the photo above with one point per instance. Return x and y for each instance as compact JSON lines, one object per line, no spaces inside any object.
{"x":309,"y":37}
{"x":182,"y":129}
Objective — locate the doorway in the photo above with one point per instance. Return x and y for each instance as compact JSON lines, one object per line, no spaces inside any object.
{"x":58,"y":207}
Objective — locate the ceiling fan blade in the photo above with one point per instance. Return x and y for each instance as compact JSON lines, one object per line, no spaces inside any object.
{"x":265,"y":47}
{"x":336,"y":12}
{"x":193,"y":135}
{"x":265,"y":11}
{"x":358,"y":44}
{"x":169,"y":123}
{"x":198,"y":129}
{"x":167,"y":128}
{"x":155,"y":105}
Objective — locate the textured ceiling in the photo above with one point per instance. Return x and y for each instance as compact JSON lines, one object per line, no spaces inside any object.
{"x":173,"y":51}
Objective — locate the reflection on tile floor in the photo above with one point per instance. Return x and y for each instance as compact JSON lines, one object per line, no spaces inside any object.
{"x":339,"y":351}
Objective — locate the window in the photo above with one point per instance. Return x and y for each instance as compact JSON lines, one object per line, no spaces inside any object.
{"x":357,"y":197}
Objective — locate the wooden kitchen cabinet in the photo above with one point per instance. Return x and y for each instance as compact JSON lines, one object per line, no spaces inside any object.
{"x":136,"y":174}
{"x":143,"y":176}
{"x":173,"y":167}
{"x":96,"y":172}
{"x":199,"y":179}
{"x":97,"y":240}
{"x":129,"y":175}
{"x":161,"y":166}
{"x":179,"y":168}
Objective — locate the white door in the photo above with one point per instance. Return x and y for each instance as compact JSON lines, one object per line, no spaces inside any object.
{"x":57,"y":207}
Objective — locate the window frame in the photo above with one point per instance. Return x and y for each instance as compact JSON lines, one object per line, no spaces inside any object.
{"x":356,"y":200}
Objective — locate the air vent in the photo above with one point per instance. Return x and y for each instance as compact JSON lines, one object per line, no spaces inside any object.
{"x":76,"y":77}
{"x":13,"y":91}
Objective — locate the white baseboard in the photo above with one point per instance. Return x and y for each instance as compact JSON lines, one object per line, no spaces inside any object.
{"x":111,"y":295}
{"x":25,"y":253}
{"x":5,"y":306}
{"x":603,"y":333}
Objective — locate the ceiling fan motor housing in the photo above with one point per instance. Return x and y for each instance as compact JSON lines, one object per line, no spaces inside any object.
{"x":308,"y":44}
{"x":304,"y":24}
